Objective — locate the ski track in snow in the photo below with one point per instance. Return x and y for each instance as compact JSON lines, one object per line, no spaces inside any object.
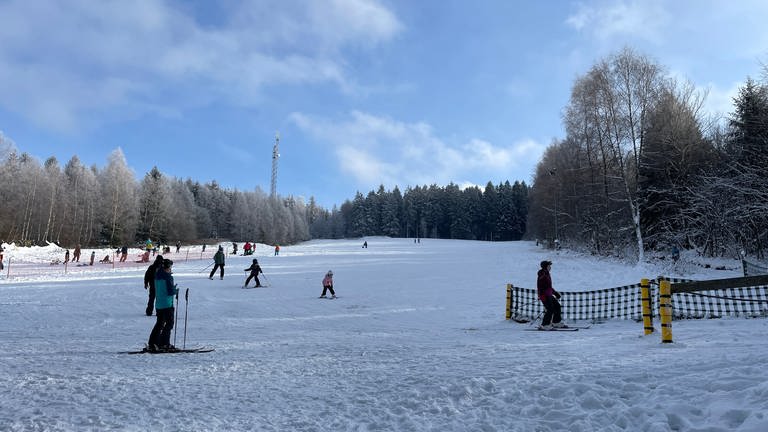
{"x":417,"y":342}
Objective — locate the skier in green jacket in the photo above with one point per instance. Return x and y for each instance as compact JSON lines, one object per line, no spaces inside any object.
{"x":218,"y":259}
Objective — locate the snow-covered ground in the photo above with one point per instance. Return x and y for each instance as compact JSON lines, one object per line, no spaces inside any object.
{"x":417,"y":341}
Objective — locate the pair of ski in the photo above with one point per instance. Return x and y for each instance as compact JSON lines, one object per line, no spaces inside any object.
{"x":254,"y":287}
{"x":569,"y":328}
{"x":174,"y":351}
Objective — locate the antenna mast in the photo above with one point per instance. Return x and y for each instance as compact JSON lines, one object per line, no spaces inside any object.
{"x":275,"y":156}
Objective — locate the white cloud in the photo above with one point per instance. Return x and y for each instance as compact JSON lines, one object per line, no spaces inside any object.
{"x":379,"y":150}
{"x":642,"y":19}
{"x":65,"y":62}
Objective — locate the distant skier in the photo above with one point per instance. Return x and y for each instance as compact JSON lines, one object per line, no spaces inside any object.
{"x":178,"y":246}
{"x":149,"y":282}
{"x":165,"y":288}
{"x":328,"y":285}
{"x":255,"y":269}
{"x":76,"y":254}
{"x":548,"y":296}
{"x":66,"y":256}
{"x":277,"y":250}
{"x":247,"y":248}
{"x":365,"y":244}
{"x":93,"y":257}
{"x":218,"y":260}
{"x":234,"y":248}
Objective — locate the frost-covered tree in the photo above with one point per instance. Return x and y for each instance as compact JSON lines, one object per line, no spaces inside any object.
{"x":119,"y":214}
{"x":154,"y":206}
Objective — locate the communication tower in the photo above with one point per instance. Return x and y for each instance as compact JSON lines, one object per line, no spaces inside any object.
{"x":275,"y":157}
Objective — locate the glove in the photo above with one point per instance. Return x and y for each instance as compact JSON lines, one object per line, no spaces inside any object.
{"x":557,"y":294}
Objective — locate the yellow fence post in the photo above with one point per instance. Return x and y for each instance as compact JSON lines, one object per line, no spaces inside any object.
{"x":645,"y":299}
{"x":509,"y":301}
{"x":665,"y":310}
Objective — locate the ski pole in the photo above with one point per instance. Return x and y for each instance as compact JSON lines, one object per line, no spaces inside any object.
{"x":176,"y":318}
{"x":186,"y":309}
{"x":206,"y":267}
{"x":266,"y":279}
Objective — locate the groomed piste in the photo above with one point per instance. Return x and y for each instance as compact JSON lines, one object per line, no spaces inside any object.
{"x":418,"y":341}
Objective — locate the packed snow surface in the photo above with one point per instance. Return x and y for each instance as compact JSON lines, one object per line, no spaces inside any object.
{"x":416,"y":341}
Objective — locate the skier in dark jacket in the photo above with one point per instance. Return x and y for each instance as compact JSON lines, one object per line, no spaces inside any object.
{"x":218,"y":260}
{"x":255,"y":269}
{"x":160,"y":338}
{"x":149,"y":282}
{"x":549,"y":297}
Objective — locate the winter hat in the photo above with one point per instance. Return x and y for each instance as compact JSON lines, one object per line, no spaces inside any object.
{"x":221,"y":248}
{"x":167,"y":263}
{"x":544,"y":264}
{"x":255,"y":261}
{"x":158,"y":259}
{"x":330,"y":273}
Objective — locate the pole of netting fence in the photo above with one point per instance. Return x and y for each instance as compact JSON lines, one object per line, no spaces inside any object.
{"x":509,"y":301}
{"x":665,"y":310}
{"x":645,"y":299}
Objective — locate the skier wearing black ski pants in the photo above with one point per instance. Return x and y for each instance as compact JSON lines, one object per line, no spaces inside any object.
{"x":549,"y":297}
{"x":165,"y":289}
{"x":328,"y":285}
{"x":255,"y":269}
{"x":218,"y":260}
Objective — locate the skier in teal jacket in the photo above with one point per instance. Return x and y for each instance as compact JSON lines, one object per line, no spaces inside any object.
{"x":165,"y":291}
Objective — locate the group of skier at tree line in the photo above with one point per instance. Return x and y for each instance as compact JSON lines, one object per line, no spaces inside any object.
{"x":148,"y":248}
{"x":158,"y":280}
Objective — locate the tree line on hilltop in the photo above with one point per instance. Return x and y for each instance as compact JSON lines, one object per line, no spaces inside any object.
{"x":641,"y":167}
{"x":108,"y":207}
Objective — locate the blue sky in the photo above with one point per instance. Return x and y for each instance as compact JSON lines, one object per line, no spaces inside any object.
{"x":362,"y":92}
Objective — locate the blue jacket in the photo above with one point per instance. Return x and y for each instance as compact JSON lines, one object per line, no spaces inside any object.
{"x":165,"y":289}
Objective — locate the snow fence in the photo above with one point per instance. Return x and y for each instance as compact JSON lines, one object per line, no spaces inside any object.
{"x":746,"y":297}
